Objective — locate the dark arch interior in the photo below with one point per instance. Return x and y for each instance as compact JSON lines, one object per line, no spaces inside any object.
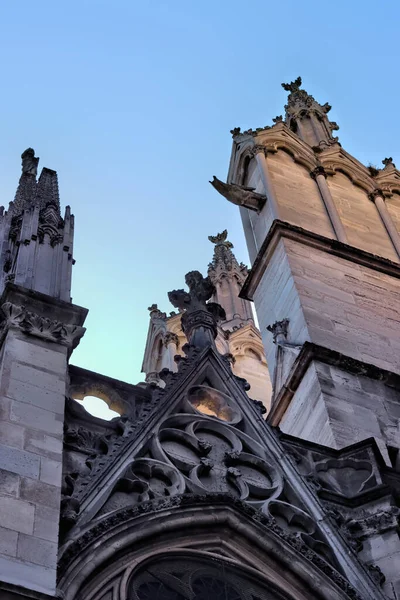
{"x":192,"y":578}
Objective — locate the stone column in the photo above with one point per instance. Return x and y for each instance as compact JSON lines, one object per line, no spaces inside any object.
{"x":377,"y":197}
{"x":320,"y":177}
{"x":37,"y":336}
{"x":259,"y":153}
{"x":171,"y":343}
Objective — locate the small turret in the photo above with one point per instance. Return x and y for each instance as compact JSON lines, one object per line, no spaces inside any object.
{"x":306,"y":117}
{"x":228,"y":276}
{"x":35,"y":241}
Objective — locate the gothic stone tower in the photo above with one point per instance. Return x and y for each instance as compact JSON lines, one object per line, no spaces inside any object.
{"x":323,"y":236}
{"x":39,"y":329}
{"x":238,"y":338}
{"x":190,"y":493}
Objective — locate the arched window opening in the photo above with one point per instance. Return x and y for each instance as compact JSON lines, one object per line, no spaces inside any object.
{"x":159,"y":355}
{"x":97,"y":407}
{"x":252,"y":354}
{"x":191,"y":578}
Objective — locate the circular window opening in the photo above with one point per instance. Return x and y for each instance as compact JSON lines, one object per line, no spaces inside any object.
{"x":213,"y":403}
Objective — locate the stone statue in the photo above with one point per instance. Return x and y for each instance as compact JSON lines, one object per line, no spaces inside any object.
{"x":239,"y":195}
{"x":29,"y":162}
{"x":198,"y":314}
{"x":200,"y":290}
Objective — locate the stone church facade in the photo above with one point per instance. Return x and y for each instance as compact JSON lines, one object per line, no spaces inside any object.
{"x":203,"y":488}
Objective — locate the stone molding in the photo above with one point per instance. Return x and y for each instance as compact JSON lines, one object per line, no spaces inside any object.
{"x":310,"y":352}
{"x":19,"y":317}
{"x":179,"y":502}
{"x":332,"y":246}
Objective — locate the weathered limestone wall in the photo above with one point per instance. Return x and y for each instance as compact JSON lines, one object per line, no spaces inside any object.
{"x":298,"y":198}
{"x":32,"y":393}
{"x":361,"y":220}
{"x":347,"y":307}
{"x":254,"y":369}
{"x":277,"y":298}
{"x":256,"y":225}
{"x":336,"y":408}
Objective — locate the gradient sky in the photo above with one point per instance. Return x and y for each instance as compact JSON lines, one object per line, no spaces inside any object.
{"x":132,"y":103}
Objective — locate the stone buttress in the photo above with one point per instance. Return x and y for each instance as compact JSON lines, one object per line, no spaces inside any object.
{"x":322,"y":231}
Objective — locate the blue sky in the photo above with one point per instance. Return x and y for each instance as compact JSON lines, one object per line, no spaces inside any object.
{"x":132,"y":103}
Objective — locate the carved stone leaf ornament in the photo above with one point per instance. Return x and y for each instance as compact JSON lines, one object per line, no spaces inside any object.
{"x":34,"y":324}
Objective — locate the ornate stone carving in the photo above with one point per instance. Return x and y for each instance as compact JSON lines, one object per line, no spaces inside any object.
{"x":293,"y":86}
{"x":86,"y":441}
{"x":224,"y":261}
{"x":378,"y":523}
{"x":375,"y":193}
{"x":278,"y":119}
{"x":318,"y":171}
{"x":302,"y":105}
{"x":180,"y":502}
{"x":34,"y":324}
{"x":279,"y":330}
{"x":199,"y":316}
{"x":388,"y":162}
{"x":156,"y":313}
{"x":171,"y":338}
{"x":239,"y":195}
{"x":346,"y":476}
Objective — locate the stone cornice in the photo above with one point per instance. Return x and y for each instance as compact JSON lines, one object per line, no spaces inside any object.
{"x":29,"y":322}
{"x":310,"y":352}
{"x":41,"y":316}
{"x":281,"y":229}
{"x":271,"y":140}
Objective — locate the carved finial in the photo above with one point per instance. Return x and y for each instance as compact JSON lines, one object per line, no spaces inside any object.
{"x":301,"y":109}
{"x":388,"y":162}
{"x":29,"y":162}
{"x":293,"y":86}
{"x":239,"y":195}
{"x":235,"y":131}
{"x":278,"y":119}
{"x":155,"y":312}
{"x":279,"y":330}
{"x":220,"y":239}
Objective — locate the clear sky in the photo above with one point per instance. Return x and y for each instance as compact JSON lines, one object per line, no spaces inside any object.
{"x":132,"y":103}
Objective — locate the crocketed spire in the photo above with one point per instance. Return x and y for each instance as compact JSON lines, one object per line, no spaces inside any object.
{"x":306,"y":117}
{"x":228,"y":276}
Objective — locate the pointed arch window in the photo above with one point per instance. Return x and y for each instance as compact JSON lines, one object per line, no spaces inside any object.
{"x":189,"y":578}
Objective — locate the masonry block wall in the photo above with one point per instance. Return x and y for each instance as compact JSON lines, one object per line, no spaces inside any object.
{"x":32,"y":387}
{"x":37,"y":335}
{"x":325,"y":250}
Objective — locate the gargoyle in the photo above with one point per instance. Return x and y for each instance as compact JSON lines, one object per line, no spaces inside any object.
{"x":239,"y":195}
